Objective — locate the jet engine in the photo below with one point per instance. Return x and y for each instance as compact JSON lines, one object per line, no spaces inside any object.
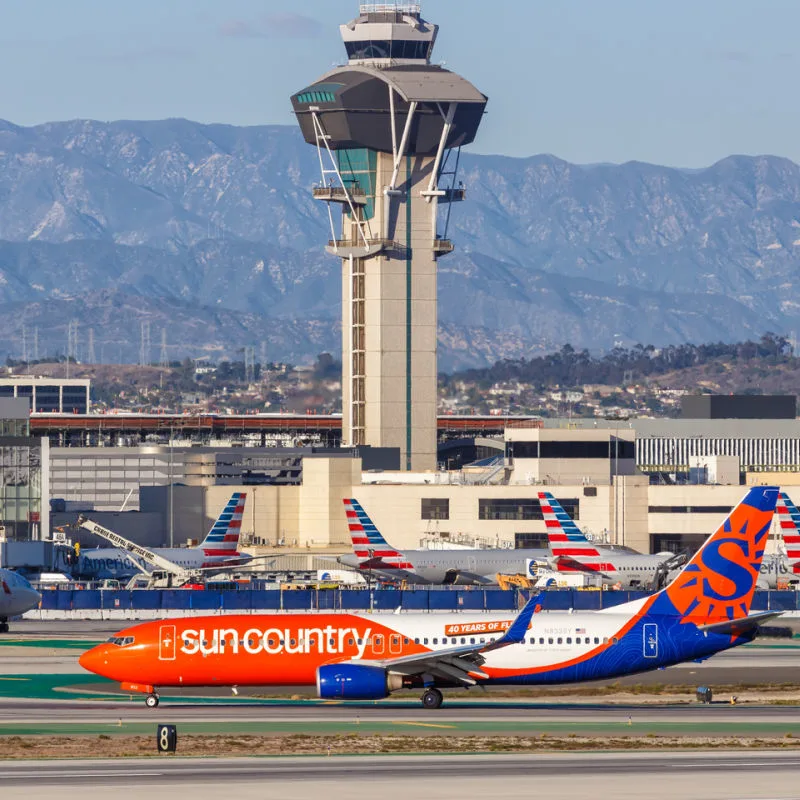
{"x":349,"y":681}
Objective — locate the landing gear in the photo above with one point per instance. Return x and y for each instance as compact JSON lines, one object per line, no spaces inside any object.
{"x":4,"y":626}
{"x":432,"y":698}
{"x":151,"y":701}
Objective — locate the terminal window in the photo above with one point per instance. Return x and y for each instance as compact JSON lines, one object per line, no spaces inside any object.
{"x":523,"y":508}
{"x":689,"y":509}
{"x":75,"y":400}
{"x":435,"y":508}
{"x":530,"y":541}
{"x":615,"y":448}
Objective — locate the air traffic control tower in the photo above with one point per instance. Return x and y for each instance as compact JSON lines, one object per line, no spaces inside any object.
{"x":388,"y":127}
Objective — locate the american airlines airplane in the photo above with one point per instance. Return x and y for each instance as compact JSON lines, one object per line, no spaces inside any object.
{"x":372,"y":554}
{"x":573,"y":552}
{"x":16,"y":597}
{"x":218,"y":549}
{"x":704,"y":610}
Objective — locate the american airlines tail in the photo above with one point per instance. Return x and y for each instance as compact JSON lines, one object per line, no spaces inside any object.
{"x":223,"y":537}
{"x":572,"y":551}
{"x":789,"y":522}
{"x":368,"y":544}
{"x":565,"y":537}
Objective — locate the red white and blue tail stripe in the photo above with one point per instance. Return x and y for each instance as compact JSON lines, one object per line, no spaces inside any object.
{"x":789,"y":522}
{"x":368,"y":543}
{"x":223,"y":538}
{"x":571,"y":549}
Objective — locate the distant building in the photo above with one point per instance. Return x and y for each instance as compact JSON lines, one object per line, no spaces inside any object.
{"x":24,"y":496}
{"x":50,"y":395}
{"x":738,"y":406}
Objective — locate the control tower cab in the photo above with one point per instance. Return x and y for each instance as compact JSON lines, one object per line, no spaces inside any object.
{"x":388,"y":127}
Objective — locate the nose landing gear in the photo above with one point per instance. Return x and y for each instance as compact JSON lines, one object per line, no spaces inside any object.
{"x":151,"y":701}
{"x":432,"y":698}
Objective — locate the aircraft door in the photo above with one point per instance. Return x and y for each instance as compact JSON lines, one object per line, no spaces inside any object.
{"x":650,"y":640}
{"x":394,"y":644}
{"x":166,"y":643}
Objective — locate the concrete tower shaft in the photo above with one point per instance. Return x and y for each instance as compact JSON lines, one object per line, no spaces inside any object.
{"x":388,"y":128}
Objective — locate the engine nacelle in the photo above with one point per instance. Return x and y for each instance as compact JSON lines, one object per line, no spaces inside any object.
{"x":351,"y":681}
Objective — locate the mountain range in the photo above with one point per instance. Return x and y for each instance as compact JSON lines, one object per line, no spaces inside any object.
{"x":210,"y":233}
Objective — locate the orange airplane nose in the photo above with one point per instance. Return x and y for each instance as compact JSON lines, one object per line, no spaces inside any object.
{"x":92,"y":660}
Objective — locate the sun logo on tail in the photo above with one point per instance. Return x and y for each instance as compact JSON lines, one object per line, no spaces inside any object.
{"x":720,"y":580}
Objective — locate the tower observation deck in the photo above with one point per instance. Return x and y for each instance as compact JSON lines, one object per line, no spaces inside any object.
{"x":389,"y":126}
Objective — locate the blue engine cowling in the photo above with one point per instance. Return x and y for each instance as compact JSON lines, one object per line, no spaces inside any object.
{"x":348,"y":681}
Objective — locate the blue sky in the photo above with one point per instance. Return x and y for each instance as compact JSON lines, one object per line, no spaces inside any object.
{"x":683,"y":82}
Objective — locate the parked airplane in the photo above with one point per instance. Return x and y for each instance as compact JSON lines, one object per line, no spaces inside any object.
{"x":218,"y":549}
{"x":373,"y":555}
{"x":368,"y":656}
{"x":789,"y":523}
{"x":16,"y":597}
{"x":573,"y":552}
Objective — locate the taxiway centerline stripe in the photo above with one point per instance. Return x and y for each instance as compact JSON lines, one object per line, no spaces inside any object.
{"x":424,"y":724}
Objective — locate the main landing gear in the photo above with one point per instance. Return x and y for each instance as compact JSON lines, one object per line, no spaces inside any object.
{"x":151,"y":701}
{"x":3,"y":626}
{"x":432,"y":698}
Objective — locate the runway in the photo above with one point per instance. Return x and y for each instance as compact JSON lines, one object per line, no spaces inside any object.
{"x":657,"y":776}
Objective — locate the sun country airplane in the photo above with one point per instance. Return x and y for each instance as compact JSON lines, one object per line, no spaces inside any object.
{"x":218,"y":549}
{"x":573,"y":552}
{"x":16,"y":597}
{"x":373,"y":555}
{"x":704,"y":610}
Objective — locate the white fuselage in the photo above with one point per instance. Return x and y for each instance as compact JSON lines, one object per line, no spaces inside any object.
{"x":16,"y":595}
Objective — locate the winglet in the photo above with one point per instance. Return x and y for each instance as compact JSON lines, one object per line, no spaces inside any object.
{"x":519,"y":627}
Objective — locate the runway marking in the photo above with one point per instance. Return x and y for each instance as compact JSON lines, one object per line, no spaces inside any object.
{"x":424,"y":724}
{"x":4,"y":678}
{"x":92,"y":774}
{"x":739,"y":764}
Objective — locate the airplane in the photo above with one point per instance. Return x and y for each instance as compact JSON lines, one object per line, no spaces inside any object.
{"x":373,"y":555}
{"x":622,"y":566}
{"x":703,"y":611}
{"x":218,"y":549}
{"x":789,"y":523}
{"x":16,"y":597}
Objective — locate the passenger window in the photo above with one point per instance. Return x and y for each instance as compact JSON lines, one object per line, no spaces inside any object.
{"x":435,"y":640}
{"x":559,"y":640}
{"x":359,"y":641}
{"x":596,"y":640}
{"x":472,"y":641}
{"x":614,"y":640}
{"x":463,"y":640}
{"x":550,"y":640}
{"x":416,"y":640}
{"x":541,"y":640}
{"x":605,"y":640}
{"x":405,"y":641}
{"x":350,"y":642}
{"x":569,"y":640}
{"x":292,"y":642}
{"x":424,"y":641}
{"x":271,"y":643}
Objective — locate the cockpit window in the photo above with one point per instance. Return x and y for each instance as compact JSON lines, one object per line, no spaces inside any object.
{"x":121,"y":641}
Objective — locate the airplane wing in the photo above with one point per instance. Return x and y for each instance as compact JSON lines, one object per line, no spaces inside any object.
{"x":737,"y":627}
{"x":463,"y":664}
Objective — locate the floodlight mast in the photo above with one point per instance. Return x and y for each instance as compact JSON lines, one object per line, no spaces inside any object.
{"x":384,"y":126}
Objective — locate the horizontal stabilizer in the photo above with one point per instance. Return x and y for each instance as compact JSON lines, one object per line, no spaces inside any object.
{"x":738,"y":627}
